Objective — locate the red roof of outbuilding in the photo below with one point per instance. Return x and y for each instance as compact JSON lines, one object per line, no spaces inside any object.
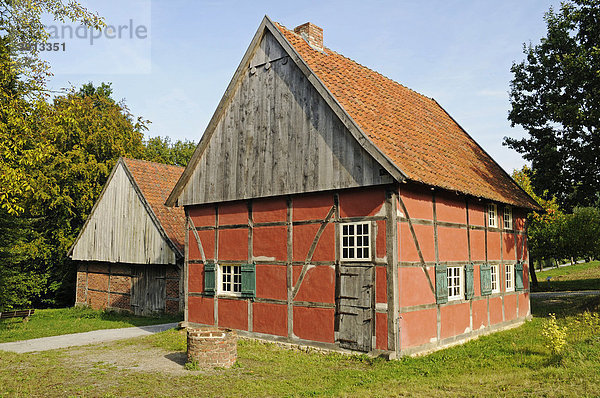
{"x":156,"y":180}
{"x":414,"y":131}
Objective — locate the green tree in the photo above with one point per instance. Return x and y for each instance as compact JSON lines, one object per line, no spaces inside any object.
{"x":22,"y":90}
{"x":583,"y":233}
{"x":555,"y":96}
{"x":544,"y":228}
{"x":85,"y":132}
{"x":162,"y":150}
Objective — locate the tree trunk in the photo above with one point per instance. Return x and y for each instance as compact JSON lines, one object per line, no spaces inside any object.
{"x":534,"y":281}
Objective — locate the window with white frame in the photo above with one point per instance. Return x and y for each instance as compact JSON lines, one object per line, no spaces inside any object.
{"x":356,"y":241}
{"x":455,"y":283}
{"x":509,"y":274}
{"x":495,"y":279}
{"x":492,"y":215}
{"x":508,"y":219}
{"x":230,"y":279}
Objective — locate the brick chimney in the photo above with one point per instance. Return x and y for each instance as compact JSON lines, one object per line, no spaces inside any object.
{"x":312,"y":34}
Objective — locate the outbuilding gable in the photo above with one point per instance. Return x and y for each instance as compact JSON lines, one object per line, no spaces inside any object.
{"x":127,"y":223}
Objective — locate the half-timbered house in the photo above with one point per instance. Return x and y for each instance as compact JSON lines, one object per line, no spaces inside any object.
{"x":129,"y":253}
{"x":328,"y":205}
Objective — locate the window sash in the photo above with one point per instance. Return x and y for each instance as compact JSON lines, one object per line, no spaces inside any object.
{"x":495,"y":279}
{"x":508,"y":220}
{"x":455,"y":283}
{"x":509,"y":274}
{"x":492,"y":215}
{"x":355,"y":241}
{"x":230,"y":279}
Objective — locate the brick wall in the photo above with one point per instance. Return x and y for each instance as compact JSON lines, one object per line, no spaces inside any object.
{"x":106,"y":285}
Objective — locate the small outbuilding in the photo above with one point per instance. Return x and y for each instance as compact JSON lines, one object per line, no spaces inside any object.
{"x":330,"y":206}
{"x":130,"y":250}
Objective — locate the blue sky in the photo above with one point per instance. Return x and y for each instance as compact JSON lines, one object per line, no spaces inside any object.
{"x":458,"y":52}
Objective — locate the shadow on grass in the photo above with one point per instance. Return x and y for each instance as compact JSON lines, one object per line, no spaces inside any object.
{"x":563,"y":306}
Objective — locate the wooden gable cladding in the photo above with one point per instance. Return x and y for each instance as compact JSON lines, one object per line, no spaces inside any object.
{"x":277,"y":135}
{"x":121,"y":228}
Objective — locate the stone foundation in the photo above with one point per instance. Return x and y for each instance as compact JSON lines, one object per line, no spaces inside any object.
{"x":212,"y":347}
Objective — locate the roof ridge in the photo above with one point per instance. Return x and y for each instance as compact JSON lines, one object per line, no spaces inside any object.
{"x":361,"y":65}
{"x":152,"y":162}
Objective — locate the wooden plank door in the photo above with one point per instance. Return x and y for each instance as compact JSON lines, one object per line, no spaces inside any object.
{"x":148,"y":293}
{"x":355,"y":307}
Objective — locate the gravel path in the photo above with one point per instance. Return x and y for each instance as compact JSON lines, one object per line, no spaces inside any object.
{"x":78,"y":339}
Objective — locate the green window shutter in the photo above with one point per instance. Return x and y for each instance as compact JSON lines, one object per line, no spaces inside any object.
{"x":249,"y":280}
{"x":209,"y":278}
{"x":519,"y":276}
{"x":441,"y":284}
{"x":485,"y":275}
{"x":469,"y":284}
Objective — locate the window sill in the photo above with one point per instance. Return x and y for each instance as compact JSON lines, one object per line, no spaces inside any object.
{"x":228,"y":295}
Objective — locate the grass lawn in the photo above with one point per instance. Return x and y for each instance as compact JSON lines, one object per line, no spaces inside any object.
{"x":53,"y":322}
{"x":510,"y":363}
{"x":574,"y":277}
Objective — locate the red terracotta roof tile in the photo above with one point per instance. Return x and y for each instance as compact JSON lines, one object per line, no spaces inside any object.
{"x":156,"y":181}
{"x":424,"y":142}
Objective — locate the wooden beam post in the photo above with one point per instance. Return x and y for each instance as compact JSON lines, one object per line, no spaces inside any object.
{"x":391,"y":238}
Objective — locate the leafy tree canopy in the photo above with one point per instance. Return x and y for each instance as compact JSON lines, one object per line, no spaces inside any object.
{"x":162,"y":150}
{"x":555,"y":96}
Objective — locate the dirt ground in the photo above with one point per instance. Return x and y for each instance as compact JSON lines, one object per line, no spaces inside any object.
{"x":135,"y":357}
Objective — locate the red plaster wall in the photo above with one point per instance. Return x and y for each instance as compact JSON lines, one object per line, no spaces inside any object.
{"x":361,"y":202}
{"x":508,"y":247}
{"x":311,"y":206}
{"x":455,"y":319}
{"x":523,"y":305}
{"x":270,"y":242}
{"x":303,"y":238}
{"x":477,"y":213}
{"x":195,"y":278}
{"x":318,"y":285}
{"x":202,"y":216}
{"x":477,"y":280}
{"x":380,"y":285}
{"x":408,"y":250}
{"x":418,"y":202}
{"x":269,"y":210}
{"x":494,"y":245}
{"x":233,"y":244}
{"x":477,"y":245}
{"x":381,"y":340}
{"x":495,"y":310}
{"x":453,"y":244}
{"x":380,"y":244}
{"x":414,"y":288}
{"x":522,"y":246}
{"x":233,"y":314}
{"x":480,"y":318}
{"x":314,"y":324}
{"x":519,"y":217}
{"x":201,"y":310}
{"x":271,"y":281}
{"x":510,"y":307}
{"x":233,"y":213}
{"x":450,"y":208}
{"x":208,"y":244}
{"x":269,"y":318}
{"x":418,"y":327}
